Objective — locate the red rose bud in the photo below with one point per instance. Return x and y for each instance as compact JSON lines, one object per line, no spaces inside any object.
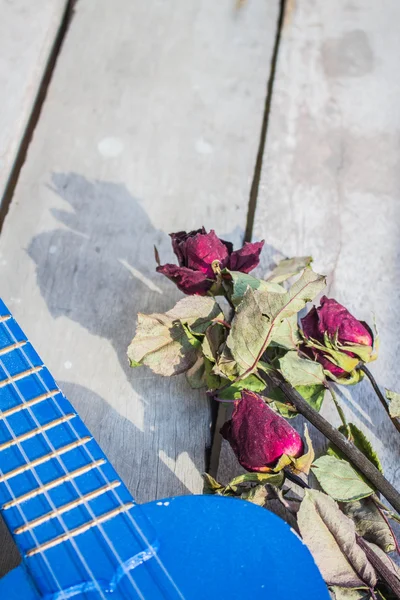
{"x":336,"y":339}
{"x":258,"y":435}
{"x":196,"y":252}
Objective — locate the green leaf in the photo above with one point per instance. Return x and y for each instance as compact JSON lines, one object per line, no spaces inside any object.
{"x":331,"y":538}
{"x":359,"y":439}
{"x":260,"y":315}
{"x":370,"y":523}
{"x":161,"y":341}
{"x":341,"y":593}
{"x":241,"y":281}
{"x":301,"y":371}
{"x":234,"y":391}
{"x":313,"y":394}
{"x":338,"y":479}
{"x":394,"y":403}
{"x":289,"y":267}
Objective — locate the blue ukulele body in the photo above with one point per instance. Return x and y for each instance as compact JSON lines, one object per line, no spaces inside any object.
{"x":80,"y":533}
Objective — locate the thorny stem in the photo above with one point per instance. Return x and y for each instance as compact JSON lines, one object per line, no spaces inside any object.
{"x":378,"y":392}
{"x":338,"y":407}
{"x":352,"y":453}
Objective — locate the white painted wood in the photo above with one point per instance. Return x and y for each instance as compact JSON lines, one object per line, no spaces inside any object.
{"x":27,"y":33}
{"x":151,"y":124}
{"x":330,"y":182}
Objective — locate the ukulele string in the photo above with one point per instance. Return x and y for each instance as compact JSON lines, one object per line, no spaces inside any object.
{"x":127,"y":515}
{"x":65,"y":470}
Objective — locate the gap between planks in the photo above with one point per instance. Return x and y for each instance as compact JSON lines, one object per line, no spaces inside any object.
{"x":37,"y":104}
{"x":221,"y":414}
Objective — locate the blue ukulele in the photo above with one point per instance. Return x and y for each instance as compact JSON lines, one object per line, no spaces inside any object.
{"x":80,"y":533}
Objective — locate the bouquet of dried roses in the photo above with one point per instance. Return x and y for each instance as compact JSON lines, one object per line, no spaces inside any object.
{"x":252,"y":351}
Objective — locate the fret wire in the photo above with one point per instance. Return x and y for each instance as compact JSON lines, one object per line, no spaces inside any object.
{"x":13,"y":378}
{"x":31,"y":402}
{"x":42,"y":459}
{"x":30,"y":434}
{"x":135,"y":525}
{"x":8,"y":349}
{"x":81,"y":529}
{"x":87,"y":506}
{"x":52,"y":484}
{"x":67,"y":507}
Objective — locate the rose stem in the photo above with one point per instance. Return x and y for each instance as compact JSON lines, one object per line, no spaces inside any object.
{"x":381,"y":397}
{"x":383,"y":570}
{"x":348,"y":448}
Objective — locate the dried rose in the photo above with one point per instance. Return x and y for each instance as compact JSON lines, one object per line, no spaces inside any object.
{"x":337,"y":340}
{"x":198,"y":253}
{"x":258,"y":435}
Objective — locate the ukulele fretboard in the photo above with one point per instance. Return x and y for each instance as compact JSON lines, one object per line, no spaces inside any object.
{"x":75,"y":523}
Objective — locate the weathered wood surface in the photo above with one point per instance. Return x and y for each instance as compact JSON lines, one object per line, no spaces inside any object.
{"x":151,"y":124}
{"x":27,"y":34}
{"x":330,"y":182}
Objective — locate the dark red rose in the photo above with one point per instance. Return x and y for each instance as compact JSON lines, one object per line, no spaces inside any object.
{"x":196,"y":251}
{"x":336,"y":339}
{"x":258,"y":435}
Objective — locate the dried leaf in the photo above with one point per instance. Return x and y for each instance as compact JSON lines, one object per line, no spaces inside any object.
{"x":282,"y":306}
{"x":213,"y":340}
{"x":272,"y":478}
{"x":260,"y":314}
{"x":196,"y":375}
{"x":287,"y":335}
{"x":304,"y":462}
{"x":249,"y":330}
{"x":241,"y":281}
{"x":338,"y":479}
{"x":331,"y":538}
{"x":276,"y":502}
{"x":370,"y":523}
{"x":301,"y":371}
{"x":211,"y":485}
{"x":289,"y":267}
{"x":394,"y":403}
{"x":161,"y":341}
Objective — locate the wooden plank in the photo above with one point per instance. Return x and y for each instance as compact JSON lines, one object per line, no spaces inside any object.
{"x":330,"y":185}
{"x":27,"y":34}
{"x":150,"y":125}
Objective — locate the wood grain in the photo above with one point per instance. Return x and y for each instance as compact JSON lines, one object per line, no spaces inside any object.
{"x":27,"y":34}
{"x":330,"y":182}
{"x":150,"y":125}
